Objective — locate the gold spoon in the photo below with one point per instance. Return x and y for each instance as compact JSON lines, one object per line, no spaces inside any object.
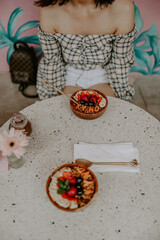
{"x":52,"y":86}
{"x":88,"y":163}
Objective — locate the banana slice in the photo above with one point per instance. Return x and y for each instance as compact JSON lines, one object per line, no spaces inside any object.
{"x":63,"y":202}
{"x":52,"y":187}
{"x":73,"y":204}
{"x":54,"y":180}
{"x":53,"y":183}
{"x":102,"y":103}
{"x":60,"y":200}
{"x":58,"y":174}
{"x":53,"y":193}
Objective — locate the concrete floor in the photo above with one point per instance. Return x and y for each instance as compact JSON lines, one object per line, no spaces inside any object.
{"x":147,"y":94}
{"x":11,"y":100}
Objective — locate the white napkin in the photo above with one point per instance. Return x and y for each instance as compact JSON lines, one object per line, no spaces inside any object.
{"x":118,"y":152}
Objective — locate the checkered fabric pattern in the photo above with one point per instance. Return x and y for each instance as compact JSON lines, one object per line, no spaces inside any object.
{"x":112,"y":52}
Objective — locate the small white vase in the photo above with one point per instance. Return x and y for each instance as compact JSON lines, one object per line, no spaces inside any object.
{"x":15,"y":162}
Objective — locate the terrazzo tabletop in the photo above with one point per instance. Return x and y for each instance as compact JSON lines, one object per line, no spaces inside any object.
{"x":127,"y":205}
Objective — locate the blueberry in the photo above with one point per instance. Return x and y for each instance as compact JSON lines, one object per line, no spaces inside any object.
{"x":91,"y":104}
{"x":82,"y":102}
{"x":86,"y":104}
{"x":78,"y":186}
{"x":79,"y":179}
{"x":80,"y":192}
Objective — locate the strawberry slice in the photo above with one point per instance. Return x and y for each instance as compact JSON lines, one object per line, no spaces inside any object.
{"x":67,"y":175}
{"x":61,"y":178}
{"x":72,"y":192}
{"x":72,"y":181}
{"x":64,"y":195}
{"x":99,"y":99}
{"x":85,"y":98}
{"x":93,"y":99}
{"x":79,"y":96}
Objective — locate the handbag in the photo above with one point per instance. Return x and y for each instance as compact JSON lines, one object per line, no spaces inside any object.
{"x":23,"y":67}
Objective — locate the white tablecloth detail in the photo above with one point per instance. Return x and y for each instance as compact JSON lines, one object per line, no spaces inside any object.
{"x":118,"y":152}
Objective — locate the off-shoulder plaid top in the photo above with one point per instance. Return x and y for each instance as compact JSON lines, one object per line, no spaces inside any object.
{"x":112,"y":52}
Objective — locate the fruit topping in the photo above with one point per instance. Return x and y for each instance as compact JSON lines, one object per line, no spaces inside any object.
{"x":85,"y":98}
{"x":99,"y":99}
{"x":67,"y":175}
{"x":92,"y":104}
{"x":64,"y":195}
{"x":72,"y":191}
{"x":79,"y":97}
{"x":72,"y":187}
{"x":86,"y":103}
{"x":82,"y":102}
{"x":102,"y":103}
{"x":73,"y":204}
{"x":79,"y":179}
{"x":61,"y":178}
{"x":93,"y":99}
{"x":72,"y":181}
{"x":80,"y":192}
{"x":78,"y":186}
{"x":65,"y":203}
{"x":89,"y":102}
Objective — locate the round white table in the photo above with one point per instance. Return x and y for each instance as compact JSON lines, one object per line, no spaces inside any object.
{"x":127,"y":205}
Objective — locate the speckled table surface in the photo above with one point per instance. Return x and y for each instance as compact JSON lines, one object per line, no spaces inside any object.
{"x":127,"y":205}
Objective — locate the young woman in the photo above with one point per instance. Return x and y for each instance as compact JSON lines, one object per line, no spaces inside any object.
{"x":86,"y":44}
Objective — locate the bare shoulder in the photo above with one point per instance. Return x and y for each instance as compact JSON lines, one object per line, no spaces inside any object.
{"x":48,"y":16}
{"x":123,"y":14}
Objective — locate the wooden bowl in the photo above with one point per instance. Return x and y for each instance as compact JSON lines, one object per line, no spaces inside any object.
{"x":88,"y":116}
{"x":67,"y":209}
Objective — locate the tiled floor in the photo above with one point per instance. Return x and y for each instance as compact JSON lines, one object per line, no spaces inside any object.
{"x":11,"y":100}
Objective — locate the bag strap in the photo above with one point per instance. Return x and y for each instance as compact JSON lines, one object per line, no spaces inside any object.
{"x":22,"y":43}
{"x":22,"y":87}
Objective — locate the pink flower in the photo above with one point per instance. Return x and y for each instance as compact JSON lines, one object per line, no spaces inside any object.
{"x":13,"y":142}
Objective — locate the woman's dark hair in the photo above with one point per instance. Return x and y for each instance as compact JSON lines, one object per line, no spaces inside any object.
{"x":45,"y":3}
